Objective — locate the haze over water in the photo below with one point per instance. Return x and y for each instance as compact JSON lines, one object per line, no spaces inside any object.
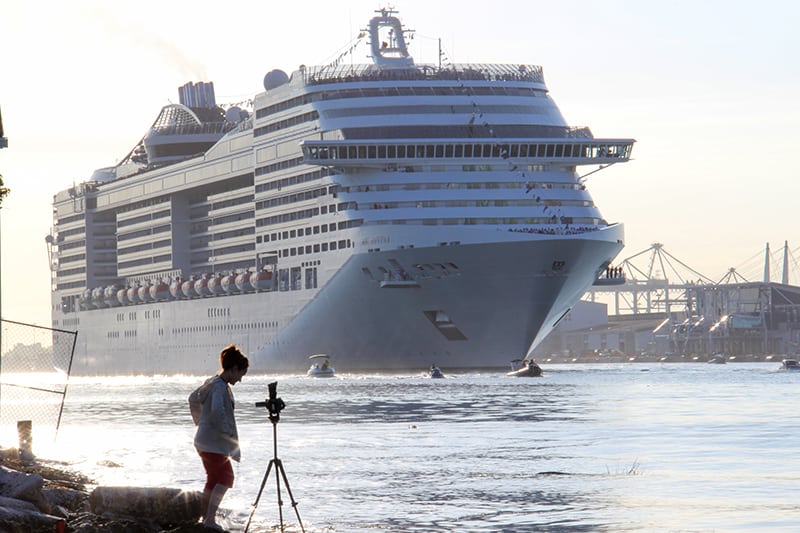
{"x":617,"y":447}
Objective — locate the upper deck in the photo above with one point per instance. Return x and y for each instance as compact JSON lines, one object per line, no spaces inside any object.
{"x":488,"y":72}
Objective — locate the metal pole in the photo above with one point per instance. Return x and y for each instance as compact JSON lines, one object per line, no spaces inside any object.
{"x":1,"y":312}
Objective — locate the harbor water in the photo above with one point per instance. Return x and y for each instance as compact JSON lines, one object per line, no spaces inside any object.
{"x":597,"y":447}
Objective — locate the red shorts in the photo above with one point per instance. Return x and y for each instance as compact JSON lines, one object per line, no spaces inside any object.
{"x":218,"y":470}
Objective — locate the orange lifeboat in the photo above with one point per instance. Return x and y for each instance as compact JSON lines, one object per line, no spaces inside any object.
{"x":159,"y":291}
{"x":243,"y":282}
{"x":133,"y":295}
{"x":175,"y":288}
{"x":201,"y":286}
{"x":144,"y":293}
{"x":122,"y":296}
{"x":86,"y":299}
{"x":98,"y":296}
{"x":110,"y":295}
{"x":261,"y":281}
{"x":215,"y":284}
{"x":229,"y":283}
{"x":187,"y":287}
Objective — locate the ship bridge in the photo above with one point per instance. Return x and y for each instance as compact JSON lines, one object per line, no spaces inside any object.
{"x":580,"y":151}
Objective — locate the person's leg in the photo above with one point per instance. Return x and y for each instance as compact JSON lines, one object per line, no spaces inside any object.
{"x":215,"y":498}
{"x":204,"y":503}
{"x":220,"y":479}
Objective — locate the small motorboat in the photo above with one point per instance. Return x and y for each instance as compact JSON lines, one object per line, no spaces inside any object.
{"x":523,"y":368}
{"x":790,"y":365}
{"x":320,"y":366}
{"x":717,"y":359}
{"x":436,"y":372}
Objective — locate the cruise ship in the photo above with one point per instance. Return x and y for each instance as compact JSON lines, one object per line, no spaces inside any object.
{"x":391,"y":215}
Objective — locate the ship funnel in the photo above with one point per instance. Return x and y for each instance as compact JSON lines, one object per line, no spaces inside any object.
{"x":200,"y":94}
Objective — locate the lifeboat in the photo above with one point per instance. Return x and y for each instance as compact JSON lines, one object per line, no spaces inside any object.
{"x":175,"y":288}
{"x":144,"y":293}
{"x":159,"y":291}
{"x":110,"y":295}
{"x":201,"y":286}
{"x":215,"y":285}
{"x":187,"y":287}
{"x":133,"y":295}
{"x":229,"y":283}
{"x":243,"y":282}
{"x":98,"y":296}
{"x":86,"y":299}
{"x":122,"y":296}
{"x":261,"y":281}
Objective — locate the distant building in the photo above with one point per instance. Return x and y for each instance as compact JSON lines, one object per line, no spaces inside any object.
{"x":743,"y":320}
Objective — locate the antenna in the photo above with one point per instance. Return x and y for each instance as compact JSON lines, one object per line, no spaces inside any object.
{"x":3,"y":140}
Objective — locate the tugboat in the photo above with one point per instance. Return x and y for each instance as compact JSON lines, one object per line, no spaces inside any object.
{"x":524,"y":368}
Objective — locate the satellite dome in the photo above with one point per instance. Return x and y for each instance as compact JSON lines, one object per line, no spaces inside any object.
{"x":275,"y":78}
{"x":233,"y":114}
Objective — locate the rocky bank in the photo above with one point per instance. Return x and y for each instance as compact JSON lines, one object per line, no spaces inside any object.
{"x":45,"y":496}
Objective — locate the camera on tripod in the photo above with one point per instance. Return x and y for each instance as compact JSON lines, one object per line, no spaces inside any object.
{"x":273,"y":404}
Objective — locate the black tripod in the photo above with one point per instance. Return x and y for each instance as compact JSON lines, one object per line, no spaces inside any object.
{"x":274,"y":406}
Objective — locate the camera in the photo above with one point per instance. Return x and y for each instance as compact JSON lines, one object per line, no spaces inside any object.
{"x":273,"y":404}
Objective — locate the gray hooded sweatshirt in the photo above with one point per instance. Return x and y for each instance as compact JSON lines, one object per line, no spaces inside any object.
{"x":211,"y":406}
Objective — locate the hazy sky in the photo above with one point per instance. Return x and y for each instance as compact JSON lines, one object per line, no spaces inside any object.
{"x":709,"y":89}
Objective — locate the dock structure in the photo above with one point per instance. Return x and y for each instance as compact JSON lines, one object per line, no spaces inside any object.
{"x":668,"y":310}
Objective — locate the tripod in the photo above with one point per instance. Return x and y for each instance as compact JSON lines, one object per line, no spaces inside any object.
{"x":274,"y":405}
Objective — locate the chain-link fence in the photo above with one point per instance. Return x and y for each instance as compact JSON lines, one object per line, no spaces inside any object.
{"x":35,"y":363}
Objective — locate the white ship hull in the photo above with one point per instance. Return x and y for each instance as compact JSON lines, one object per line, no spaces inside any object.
{"x":496,"y":306}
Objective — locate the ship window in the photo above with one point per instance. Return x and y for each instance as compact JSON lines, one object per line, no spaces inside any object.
{"x":324,"y":228}
{"x":316,"y":248}
{"x":324,"y":246}
{"x":316,"y":230}
{"x":293,"y":234}
{"x":333,"y":245}
{"x":332,"y":227}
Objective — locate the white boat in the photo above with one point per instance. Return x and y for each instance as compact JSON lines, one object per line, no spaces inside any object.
{"x":367,"y":210}
{"x":436,"y":372}
{"x":320,"y":366}
{"x":790,"y":365}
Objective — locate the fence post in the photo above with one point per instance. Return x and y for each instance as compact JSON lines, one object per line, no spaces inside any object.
{"x":25,"y":432}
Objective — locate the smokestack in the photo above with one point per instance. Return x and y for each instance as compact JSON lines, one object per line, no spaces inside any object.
{"x":200,"y":94}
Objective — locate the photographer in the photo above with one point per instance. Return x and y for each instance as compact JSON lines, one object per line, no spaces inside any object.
{"x":217,"y":440}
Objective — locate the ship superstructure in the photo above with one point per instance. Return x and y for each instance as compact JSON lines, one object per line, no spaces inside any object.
{"x":389,"y":215}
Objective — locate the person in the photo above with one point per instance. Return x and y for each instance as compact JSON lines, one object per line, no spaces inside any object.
{"x":216,"y":439}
